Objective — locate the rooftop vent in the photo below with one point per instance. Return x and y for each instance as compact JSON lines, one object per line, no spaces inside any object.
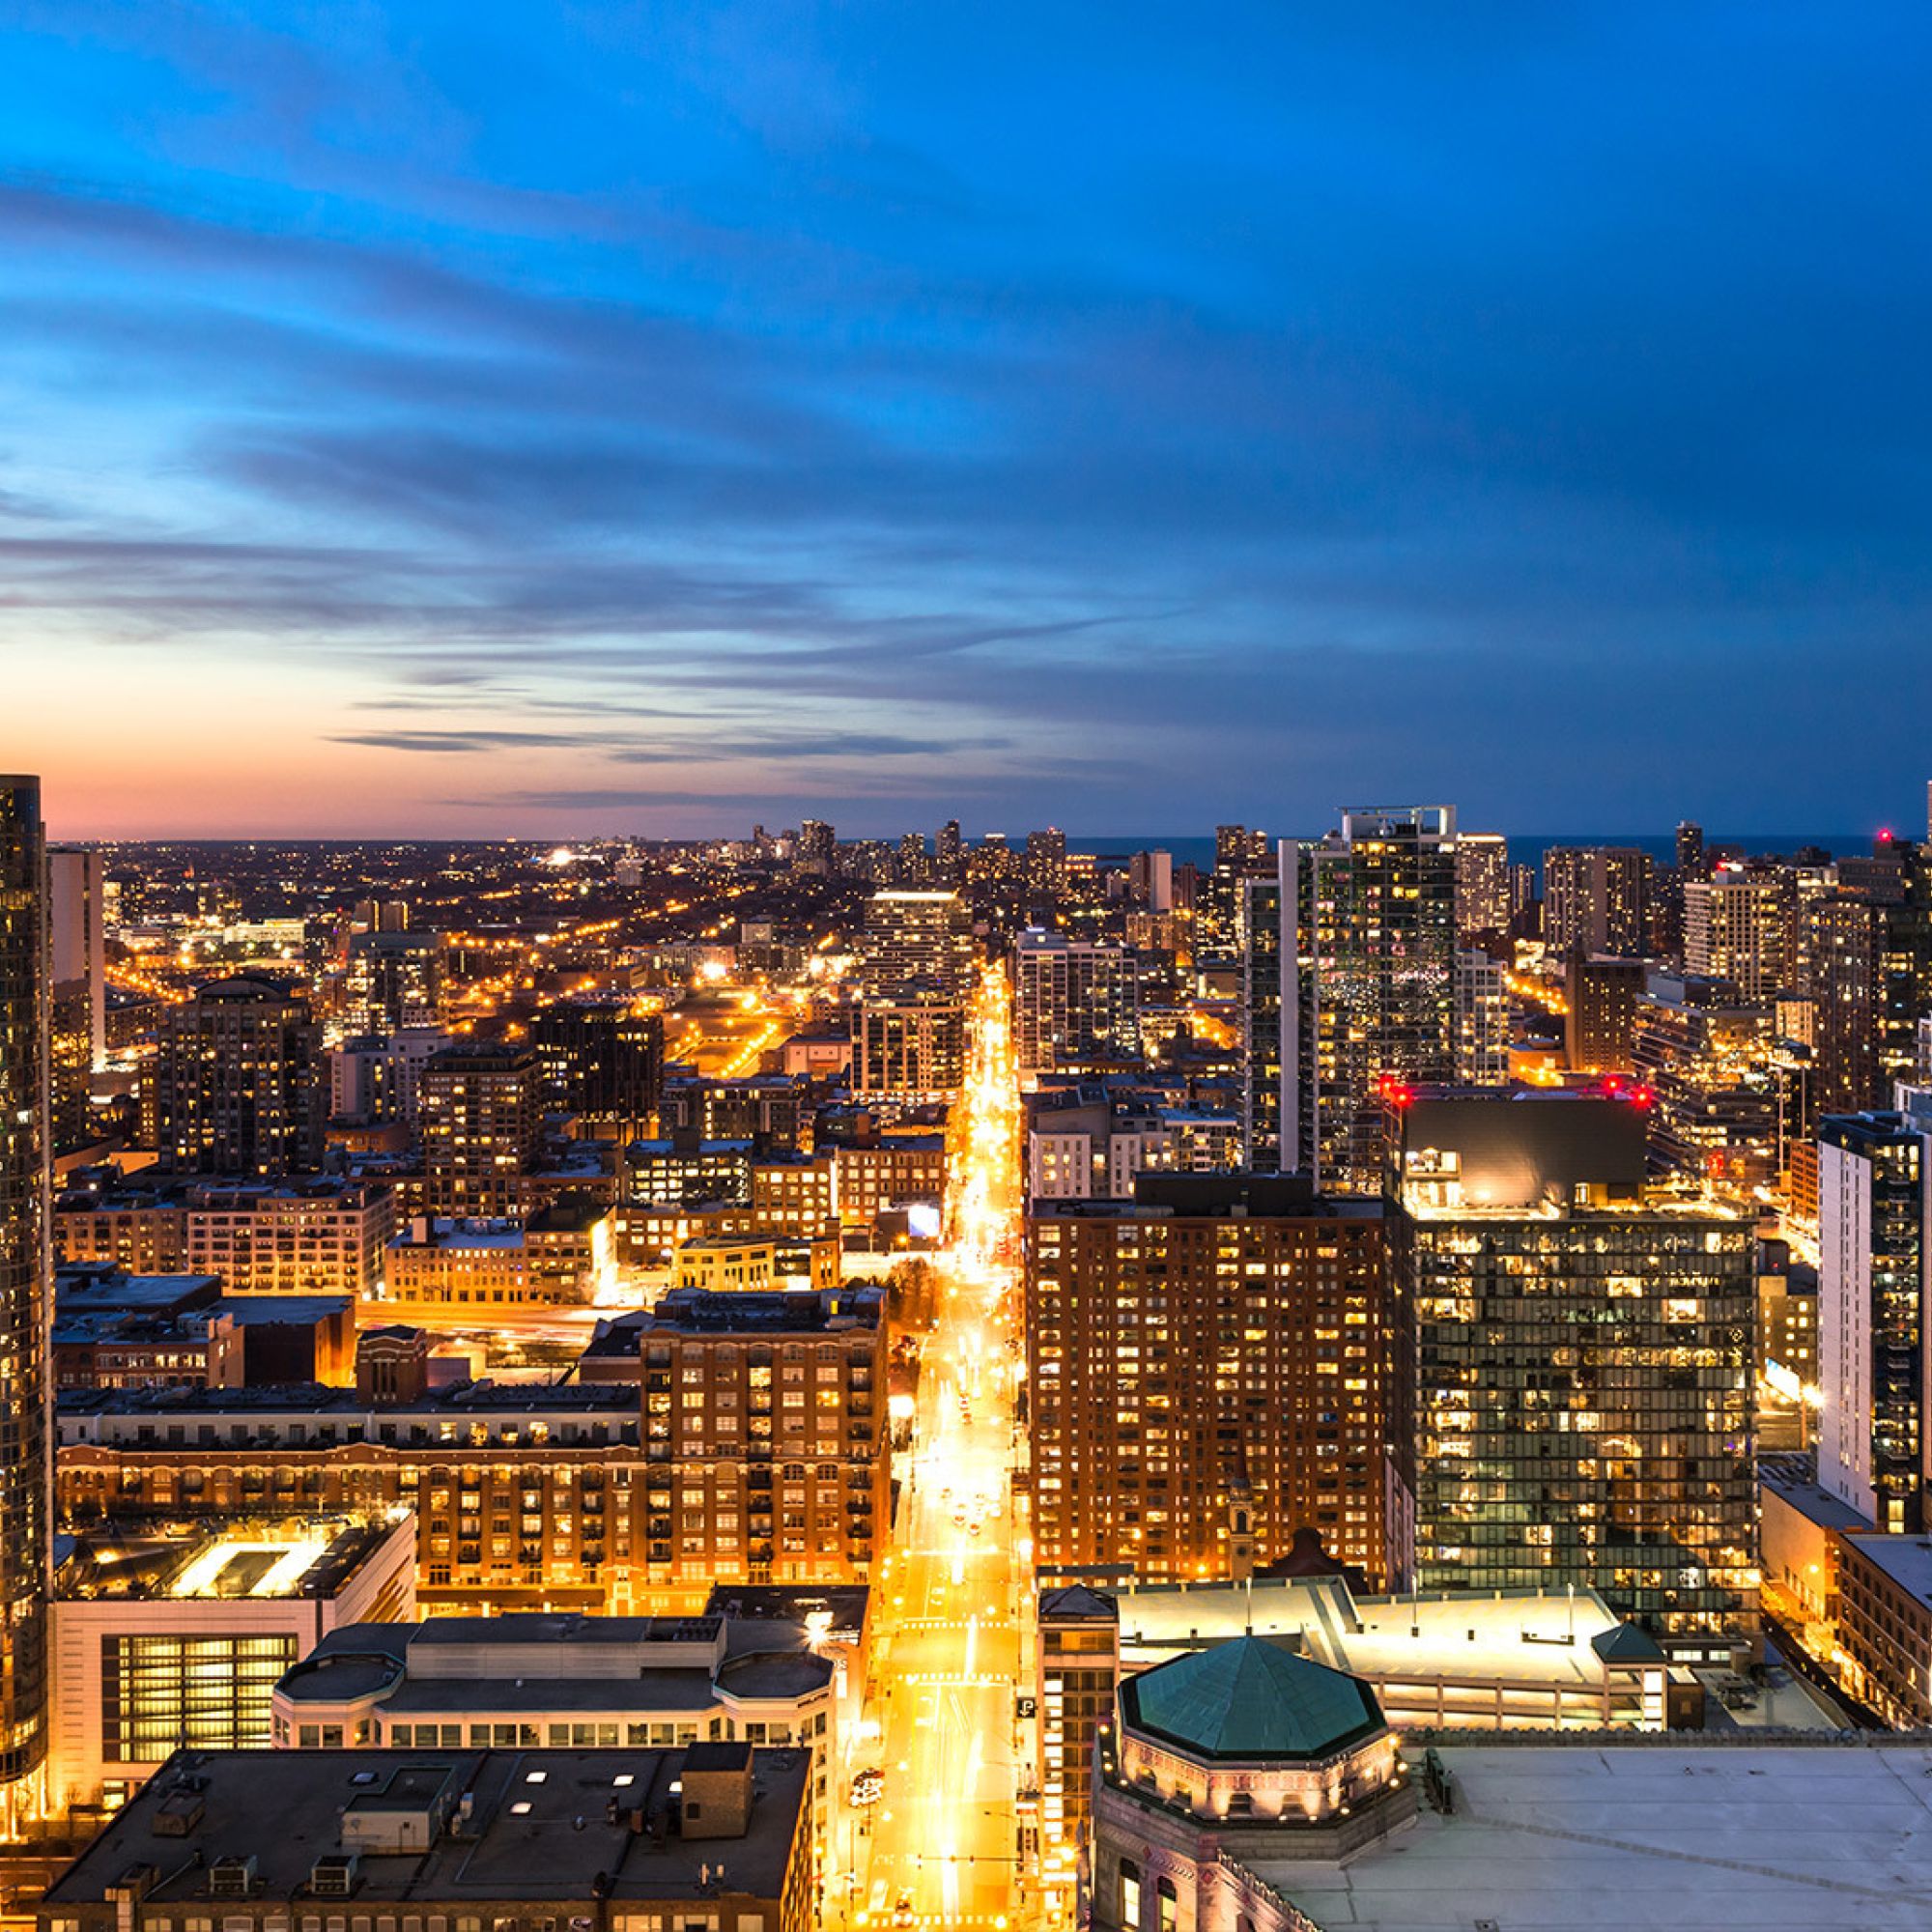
{"x":178,"y":1814}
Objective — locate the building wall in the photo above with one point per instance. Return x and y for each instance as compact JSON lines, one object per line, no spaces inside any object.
{"x":1885,"y":1633}
{"x":136,"y":1679}
{"x":1202,"y":1386}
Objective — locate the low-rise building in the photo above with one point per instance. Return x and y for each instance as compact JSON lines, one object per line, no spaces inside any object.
{"x":717,"y":1836}
{"x":1241,"y":1798}
{"x":296,"y":1236}
{"x":564,"y":1255}
{"x":889,"y":1173}
{"x":564,"y":1682}
{"x":1885,"y":1623}
{"x":178,"y":1637}
{"x":547,"y":1496}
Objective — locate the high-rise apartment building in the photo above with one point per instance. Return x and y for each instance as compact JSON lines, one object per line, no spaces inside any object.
{"x":25,"y":1283}
{"x":394,"y":980}
{"x":910,"y":1050}
{"x":1266,"y":989}
{"x":1868,"y":953}
{"x":1214,"y":1365}
{"x":1483,"y":907}
{"x":948,"y":851}
{"x":77,"y":1016}
{"x":1598,"y":899}
{"x":1691,"y":862}
{"x":1150,"y":874}
{"x":920,"y":940}
{"x":1241,"y":854}
{"x":602,"y":1059}
{"x":1046,"y":863}
{"x":1482,"y":1056}
{"x":1076,"y":1001}
{"x":1368,"y":936}
{"x":817,"y":850}
{"x":480,"y":1114}
{"x":1583,"y":1358}
{"x":771,"y":1408}
{"x":238,"y":1081}
{"x":1742,"y":924}
{"x":1600,"y":998}
{"x":1874,"y":1242}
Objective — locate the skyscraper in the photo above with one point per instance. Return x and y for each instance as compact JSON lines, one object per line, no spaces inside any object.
{"x":1075,"y":1002}
{"x":395,"y":980}
{"x":1583,"y":1350}
{"x":1481,"y":1019}
{"x":1868,"y":957}
{"x":238,"y":1081}
{"x":1368,"y":943}
{"x":1742,"y":924}
{"x":1691,"y":849}
{"x":24,"y":1280}
{"x":1266,"y":987}
{"x":1872,"y":1261}
{"x":1483,"y":906}
{"x":818,"y":848}
{"x":1213,"y":1366}
{"x":481,"y":1115}
{"x":77,"y":1027}
{"x":947,"y":851}
{"x":1598,"y":899}
{"x":602,"y":1059}
{"x":915,"y":940}
{"x":1600,"y":997}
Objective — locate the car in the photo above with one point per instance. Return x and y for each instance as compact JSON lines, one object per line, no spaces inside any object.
{"x":903,"y":1909}
{"x":972,"y":1530}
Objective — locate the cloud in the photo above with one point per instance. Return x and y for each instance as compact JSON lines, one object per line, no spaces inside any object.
{"x":795,"y":398}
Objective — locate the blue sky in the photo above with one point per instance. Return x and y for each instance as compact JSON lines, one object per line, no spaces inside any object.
{"x":653,"y":419}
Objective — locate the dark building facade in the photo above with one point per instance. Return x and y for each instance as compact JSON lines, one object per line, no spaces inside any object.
{"x":1583,"y":1358}
{"x":25,"y":1293}
{"x":238,"y":1081}
{"x":602,"y":1060}
{"x":1368,"y":943}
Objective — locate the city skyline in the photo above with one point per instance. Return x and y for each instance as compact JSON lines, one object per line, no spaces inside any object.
{"x":422,"y":422}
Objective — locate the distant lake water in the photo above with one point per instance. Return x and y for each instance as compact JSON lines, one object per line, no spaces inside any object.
{"x":1526,"y":847}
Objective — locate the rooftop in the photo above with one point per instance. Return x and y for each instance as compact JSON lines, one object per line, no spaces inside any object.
{"x":545,"y":1825}
{"x":312,"y":1557}
{"x":1569,"y":1837}
{"x":1252,"y":1697}
{"x":1906,"y":1560}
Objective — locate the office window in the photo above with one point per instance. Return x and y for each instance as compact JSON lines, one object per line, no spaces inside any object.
{"x":159,"y":1693}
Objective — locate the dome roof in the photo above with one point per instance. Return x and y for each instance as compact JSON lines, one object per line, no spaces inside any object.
{"x":1251,"y":1699}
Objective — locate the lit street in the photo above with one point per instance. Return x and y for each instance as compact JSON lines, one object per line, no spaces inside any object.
{"x":945,"y":1845}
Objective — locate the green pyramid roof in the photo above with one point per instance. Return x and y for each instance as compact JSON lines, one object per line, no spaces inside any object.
{"x":1251,"y":1699}
{"x":1627,"y":1644}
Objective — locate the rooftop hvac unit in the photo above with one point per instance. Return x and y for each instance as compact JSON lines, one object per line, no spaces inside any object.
{"x":333,"y":1877}
{"x":231,"y":1878}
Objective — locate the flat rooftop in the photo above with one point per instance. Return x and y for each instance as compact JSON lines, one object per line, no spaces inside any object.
{"x":312,"y":1557}
{"x":1791,"y":1482}
{"x":1906,"y":1560}
{"x":539,"y":1828}
{"x":1570,"y":1837}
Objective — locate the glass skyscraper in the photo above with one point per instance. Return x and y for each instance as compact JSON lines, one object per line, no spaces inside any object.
{"x":24,"y":968}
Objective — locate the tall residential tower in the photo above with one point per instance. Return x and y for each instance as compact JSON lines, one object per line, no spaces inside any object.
{"x":24,"y":1279}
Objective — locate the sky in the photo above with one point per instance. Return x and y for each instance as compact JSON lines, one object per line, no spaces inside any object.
{"x":651,"y":418}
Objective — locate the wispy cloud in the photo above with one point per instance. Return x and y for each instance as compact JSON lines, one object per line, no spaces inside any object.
{"x":826,"y":401}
